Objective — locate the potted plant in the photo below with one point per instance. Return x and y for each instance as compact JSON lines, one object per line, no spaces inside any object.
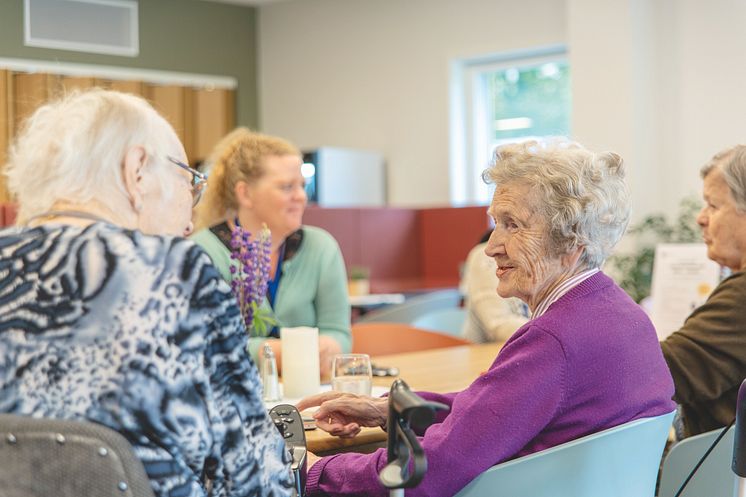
{"x":358,"y":280}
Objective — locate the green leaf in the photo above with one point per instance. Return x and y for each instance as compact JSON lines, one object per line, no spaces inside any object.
{"x":263,"y":321}
{"x":636,"y":269}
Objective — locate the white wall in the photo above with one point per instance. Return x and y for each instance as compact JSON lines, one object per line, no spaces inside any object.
{"x":660,"y":81}
{"x":704,"y":90}
{"x":612,"y":54}
{"x":374,"y":74}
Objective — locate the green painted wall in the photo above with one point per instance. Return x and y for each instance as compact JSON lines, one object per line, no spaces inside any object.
{"x":192,"y":36}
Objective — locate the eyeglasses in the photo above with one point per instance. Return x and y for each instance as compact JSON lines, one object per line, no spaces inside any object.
{"x":199,"y":180}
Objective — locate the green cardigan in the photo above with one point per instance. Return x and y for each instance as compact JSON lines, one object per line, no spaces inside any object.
{"x":312,"y":289}
{"x":707,"y":358}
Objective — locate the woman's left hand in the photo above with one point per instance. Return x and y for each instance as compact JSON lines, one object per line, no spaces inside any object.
{"x":343,"y":414}
{"x":328,"y":348}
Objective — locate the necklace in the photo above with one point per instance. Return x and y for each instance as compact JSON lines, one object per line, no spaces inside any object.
{"x":67,"y":213}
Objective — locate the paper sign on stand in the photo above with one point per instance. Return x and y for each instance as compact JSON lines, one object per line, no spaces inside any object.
{"x":683,"y":278}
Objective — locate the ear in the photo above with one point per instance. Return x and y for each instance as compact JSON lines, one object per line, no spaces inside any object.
{"x":244,"y":195}
{"x":132,"y":166}
{"x":572,"y":258}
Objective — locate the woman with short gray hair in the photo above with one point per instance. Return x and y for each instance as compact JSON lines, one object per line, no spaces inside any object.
{"x":109,"y":315}
{"x":707,"y":356}
{"x":584,"y":196}
{"x":587,"y":360}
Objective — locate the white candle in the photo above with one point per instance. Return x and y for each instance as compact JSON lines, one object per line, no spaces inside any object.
{"x":300,"y":361}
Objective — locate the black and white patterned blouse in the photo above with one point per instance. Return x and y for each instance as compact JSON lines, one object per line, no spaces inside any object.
{"x":139,"y":333}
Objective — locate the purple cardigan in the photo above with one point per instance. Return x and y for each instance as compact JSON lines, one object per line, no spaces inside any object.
{"x":591,"y":362}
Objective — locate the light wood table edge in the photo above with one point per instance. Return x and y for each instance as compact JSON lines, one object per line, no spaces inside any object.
{"x":439,"y":370}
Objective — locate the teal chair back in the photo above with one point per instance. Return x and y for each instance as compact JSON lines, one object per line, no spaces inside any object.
{"x":713,"y":479}
{"x":450,"y":321}
{"x":618,"y":462}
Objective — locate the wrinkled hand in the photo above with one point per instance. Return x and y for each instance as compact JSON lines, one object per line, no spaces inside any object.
{"x":343,"y":414}
{"x":328,"y":348}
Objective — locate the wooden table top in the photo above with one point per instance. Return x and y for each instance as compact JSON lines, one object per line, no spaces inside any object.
{"x":439,"y":370}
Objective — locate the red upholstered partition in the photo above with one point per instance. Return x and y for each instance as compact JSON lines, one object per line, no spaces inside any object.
{"x":384,"y":240}
{"x":446,"y":237}
{"x":7,"y":214}
{"x":10,"y":213}
{"x":405,"y":249}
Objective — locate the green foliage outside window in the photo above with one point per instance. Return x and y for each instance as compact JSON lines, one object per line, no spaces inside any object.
{"x":540,"y":93}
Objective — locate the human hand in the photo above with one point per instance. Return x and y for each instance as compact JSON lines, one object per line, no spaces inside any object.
{"x":328,"y":348}
{"x":343,"y":414}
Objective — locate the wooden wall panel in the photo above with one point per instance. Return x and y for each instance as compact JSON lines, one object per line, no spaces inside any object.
{"x":201,"y":117}
{"x":136,"y":87}
{"x":169,"y":101}
{"x":5,"y":120}
{"x":212,"y":115}
{"x":68,"y":84}
{"x":29,"y":92}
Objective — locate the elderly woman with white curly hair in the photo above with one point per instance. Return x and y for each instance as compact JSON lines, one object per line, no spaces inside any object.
{"x":587,"y":360}
{"x":109,"y":315}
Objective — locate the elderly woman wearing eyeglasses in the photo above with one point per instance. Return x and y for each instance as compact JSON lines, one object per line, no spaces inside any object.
{"x":256,"y":180}
{"x":109,"y":315}
{"x":587,"y":360}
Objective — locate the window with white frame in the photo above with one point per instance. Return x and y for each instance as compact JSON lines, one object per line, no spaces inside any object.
{"x":502,"y":99}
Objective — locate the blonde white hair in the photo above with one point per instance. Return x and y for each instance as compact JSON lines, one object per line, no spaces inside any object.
{"x":72,"y":149}
{"x":582,"y":195}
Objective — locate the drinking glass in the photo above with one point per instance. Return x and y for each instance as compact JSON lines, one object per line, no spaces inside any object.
{"x":351,"y":373}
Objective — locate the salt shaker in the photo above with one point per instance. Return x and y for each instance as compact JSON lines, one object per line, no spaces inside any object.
{"x":270,"y":379}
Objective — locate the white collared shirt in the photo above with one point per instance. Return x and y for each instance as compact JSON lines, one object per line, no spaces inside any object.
{"x":562,"y":289}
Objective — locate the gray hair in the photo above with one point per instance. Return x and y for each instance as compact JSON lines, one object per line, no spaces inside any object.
{"x":732,"y":163}
{"x":72,"y":149}
{"x":583,"y":196}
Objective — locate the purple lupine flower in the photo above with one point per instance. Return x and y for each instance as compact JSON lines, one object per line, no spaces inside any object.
{"x":250,"y":272}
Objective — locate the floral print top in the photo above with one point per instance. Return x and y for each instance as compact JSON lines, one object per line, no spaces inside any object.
{"x":141,"y":334}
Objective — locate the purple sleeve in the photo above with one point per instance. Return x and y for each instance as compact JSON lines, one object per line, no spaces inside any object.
{"x":489,"y":422}
{"x":443,"y":398}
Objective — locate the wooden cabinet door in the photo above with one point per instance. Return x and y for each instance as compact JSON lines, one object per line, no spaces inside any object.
{"x":168,"y":100}
{"x":5,"y":127}
{"x":30,"y":90}
{"x":68,"y":84}
{"x":210,"y":116}
{"x":135,"y":87}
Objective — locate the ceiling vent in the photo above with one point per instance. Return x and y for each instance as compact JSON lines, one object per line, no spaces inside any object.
{"x":97,"y":26}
